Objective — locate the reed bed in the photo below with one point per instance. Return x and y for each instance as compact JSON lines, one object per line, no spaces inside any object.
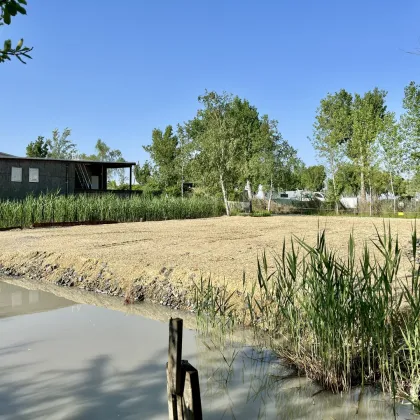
{"x":53,"y":208}
{"x":343,"y":322}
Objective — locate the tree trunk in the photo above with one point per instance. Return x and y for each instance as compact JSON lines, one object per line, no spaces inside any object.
{"x":249,"y":189}
{"x":222,"y":184}
{"x":370,"y":198}
{"x":271,"y":194}
{"x":362,"y":187}
{"x":335,"y":194}
{"x":182,"y":181}
{"x":393,"y":192}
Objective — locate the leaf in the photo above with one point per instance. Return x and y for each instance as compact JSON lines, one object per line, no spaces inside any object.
{"x":7,"y":45}
{"x":6,"y":17}
{"x":20,"y":9}
{"x":19,"y":45}
{"x":23,"y":2}
{"x":11,"y":8}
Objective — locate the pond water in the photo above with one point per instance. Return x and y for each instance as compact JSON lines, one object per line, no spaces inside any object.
{"x":64,"y":360}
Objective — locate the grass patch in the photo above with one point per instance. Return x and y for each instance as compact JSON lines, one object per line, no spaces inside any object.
{"x":260,"y":213}
{"x":87,"y":208}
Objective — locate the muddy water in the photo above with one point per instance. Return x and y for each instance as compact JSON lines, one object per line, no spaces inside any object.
{"x":65,"y":360}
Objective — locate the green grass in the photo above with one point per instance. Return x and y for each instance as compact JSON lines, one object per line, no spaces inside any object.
{"x":260,"y":213}
{"x":88,"y":208}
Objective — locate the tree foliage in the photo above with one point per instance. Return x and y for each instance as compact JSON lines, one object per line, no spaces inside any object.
{"x":410,"y":124}
{"x":368,"y":114}
{"x":38,"y":148}
{"x":8,"y":10}
{"x":332,"y":130}
{"x":60,"y":146}
{"x":313,"y":177}
{"x":143,"y":173}
{"x":163,"y":152}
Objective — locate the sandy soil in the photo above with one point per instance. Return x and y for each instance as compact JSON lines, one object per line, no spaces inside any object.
{"x":182,"y":249}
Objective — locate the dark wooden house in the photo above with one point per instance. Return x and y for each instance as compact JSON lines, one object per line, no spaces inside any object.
{"x":21,"y":176}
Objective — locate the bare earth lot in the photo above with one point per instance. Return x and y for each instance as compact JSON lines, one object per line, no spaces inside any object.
{"x":179,"y":250}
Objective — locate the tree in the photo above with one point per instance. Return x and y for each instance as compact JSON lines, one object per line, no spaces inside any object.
{"x":332,"y":129}
{"x":105,"y":154}
{"x":368,"y":114}
{"x":9,"y":9}
{"x":142,"y":174}
{"x":38,"y":148}
{"x":217,"y":145}
{"x":392,"y":151}
{"x":60,"y":146}
{"x":410,"y":124}
{"x":347,"y":179}
{"x":313,"y":177}
{"x":163,"y":152}
{"x":258,"y":141}
{"x":183,"y":155}
{"x":287,"y":167}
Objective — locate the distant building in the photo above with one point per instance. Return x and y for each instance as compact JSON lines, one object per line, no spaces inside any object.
{"x":21,"y":176}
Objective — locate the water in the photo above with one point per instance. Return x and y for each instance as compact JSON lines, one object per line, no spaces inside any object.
{"x":65,"y":360}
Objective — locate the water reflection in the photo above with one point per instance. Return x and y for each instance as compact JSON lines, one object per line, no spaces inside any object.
{"x":18,"y":301}
{"x":91,"y":362}
{"x":249,"y":383}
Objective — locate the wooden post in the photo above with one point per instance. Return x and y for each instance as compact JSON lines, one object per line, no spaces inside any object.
{"x":175,"y":355}
{"x":191,"y":396}
{"x":184,"y":400}
{"x":172,"y":402}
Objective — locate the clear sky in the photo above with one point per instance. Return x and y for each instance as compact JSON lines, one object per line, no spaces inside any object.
{"x":117,"y":69}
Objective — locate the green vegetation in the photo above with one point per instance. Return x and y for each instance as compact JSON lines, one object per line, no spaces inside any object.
{"x":260,"y":213}
{"x":365,"y":148}
{"x":228,"y":149}
{"x":341,"y":321}
{"x":9,"y":9}
{"x":88,"y":208}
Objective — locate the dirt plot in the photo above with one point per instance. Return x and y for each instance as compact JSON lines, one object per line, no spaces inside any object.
{"x":180,"y":250}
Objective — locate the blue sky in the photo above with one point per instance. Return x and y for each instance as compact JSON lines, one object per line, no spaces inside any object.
{"x":116,"y":70}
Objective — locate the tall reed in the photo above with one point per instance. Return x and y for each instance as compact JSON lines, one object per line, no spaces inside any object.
{"x":108,"y":207}
{"x":344,"y":321}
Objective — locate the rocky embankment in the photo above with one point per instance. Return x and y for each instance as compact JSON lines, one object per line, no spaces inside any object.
{"x":98,"y":277}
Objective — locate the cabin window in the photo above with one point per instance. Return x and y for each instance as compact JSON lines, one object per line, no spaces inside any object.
{"x":16,"y":174}
{"x":33,"y":175}
{"x":284,"y":195}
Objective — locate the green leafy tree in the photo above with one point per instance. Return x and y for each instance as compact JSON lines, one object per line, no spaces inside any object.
{"x":368,"y":114}
{"x":163,"y":152}
{"x":38,"y":148}
{"x":218,"y":146}
{"x":393,"y":151}
{"x":183,"y":156}
{"x":288,"y":167}
{"x":104,"y":153}
{"x":258,"y":141}
{"x":332,"y":129}
{"x":410,"y":124}
{"x":313,"y":177}
{"x":143,"y":173}
{"x":347,"y":179}
{"x":379,"y":182}
{"x":9,"y":9}
{"x":60,"y":146}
